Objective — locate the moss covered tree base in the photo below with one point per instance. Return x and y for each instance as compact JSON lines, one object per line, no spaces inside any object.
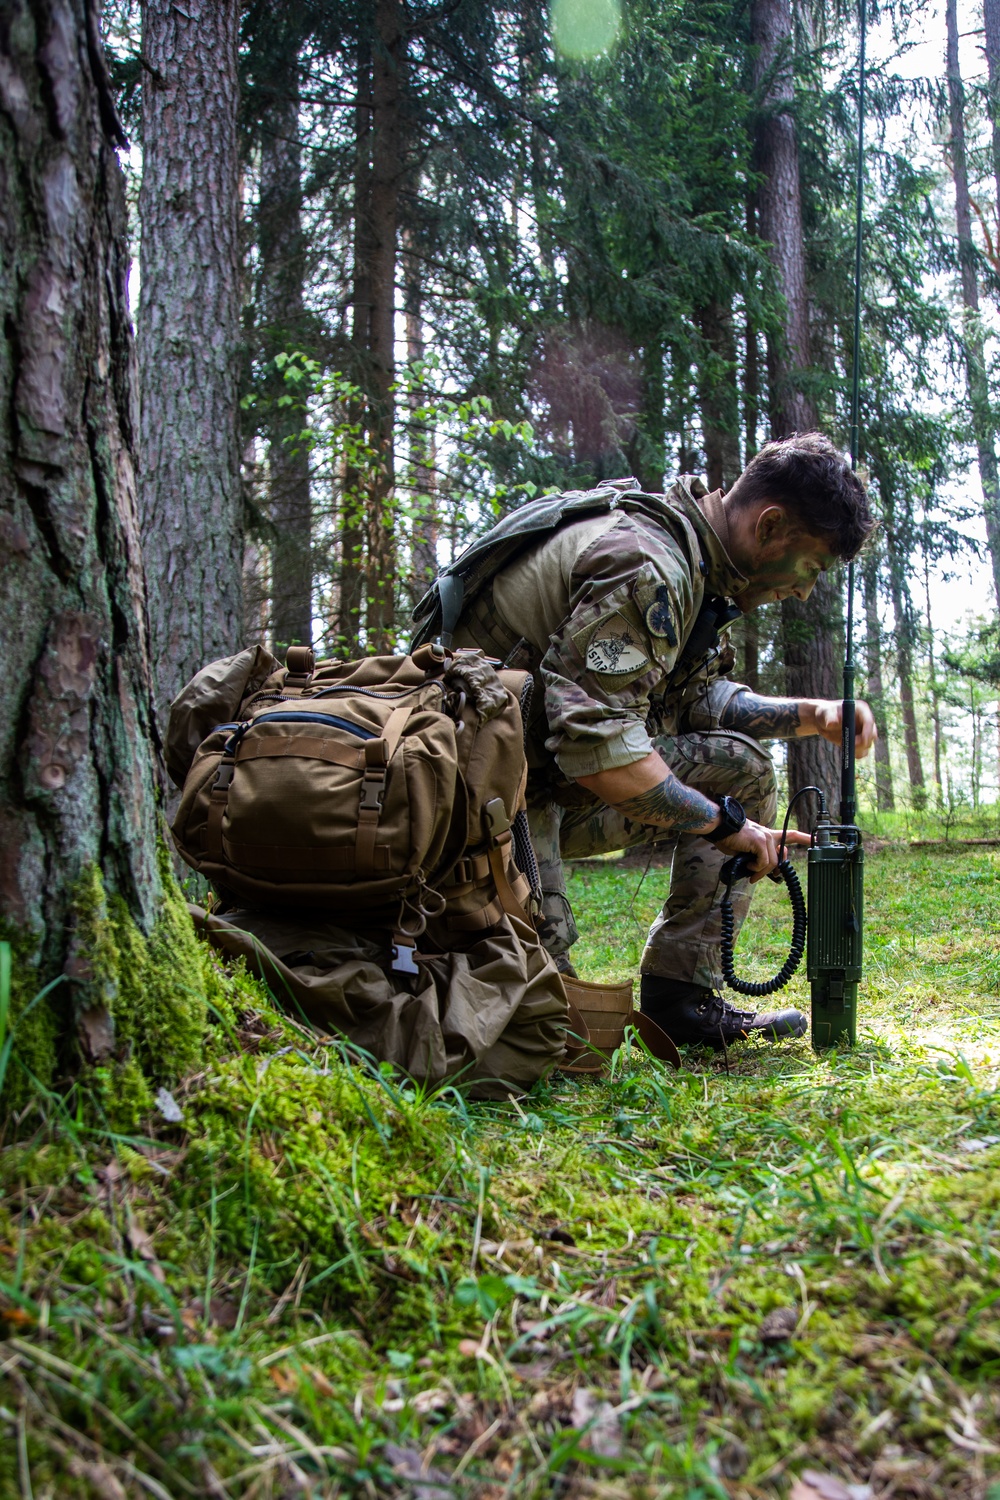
{"x":127,"y":1017}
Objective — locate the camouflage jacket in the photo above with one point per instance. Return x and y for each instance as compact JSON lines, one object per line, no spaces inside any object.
{"x":601,"y":609}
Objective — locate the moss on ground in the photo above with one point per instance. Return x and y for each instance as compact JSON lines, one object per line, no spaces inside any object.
{"x":692,"y":1284}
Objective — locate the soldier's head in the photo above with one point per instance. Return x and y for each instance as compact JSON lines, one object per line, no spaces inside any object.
{"x":796,"y":510}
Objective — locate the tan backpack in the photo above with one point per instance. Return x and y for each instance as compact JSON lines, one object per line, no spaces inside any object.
{"x":390,"y":788}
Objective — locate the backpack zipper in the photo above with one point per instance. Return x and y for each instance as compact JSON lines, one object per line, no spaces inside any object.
{"x":233,"y":743}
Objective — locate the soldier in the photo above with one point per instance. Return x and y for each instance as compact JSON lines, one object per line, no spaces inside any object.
{"x":618,"y":600}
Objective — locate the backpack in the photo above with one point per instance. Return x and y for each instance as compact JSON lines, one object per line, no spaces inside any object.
{"x":389,"y":789}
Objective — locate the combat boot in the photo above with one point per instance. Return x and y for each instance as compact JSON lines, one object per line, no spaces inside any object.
{"x":693,"y":1015}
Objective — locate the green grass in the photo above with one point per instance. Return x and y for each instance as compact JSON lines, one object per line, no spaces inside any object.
{"x":320,"y":1281}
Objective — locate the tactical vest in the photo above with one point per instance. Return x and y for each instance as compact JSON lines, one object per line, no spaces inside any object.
{"x":462,"y":581}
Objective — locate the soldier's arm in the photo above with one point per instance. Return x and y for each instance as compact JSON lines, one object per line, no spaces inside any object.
{"x":791,"y":718}
{"x":648,"y":792}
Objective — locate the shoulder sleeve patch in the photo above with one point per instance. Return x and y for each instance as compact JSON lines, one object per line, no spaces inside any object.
{"x":659,"y":616}
{"x":612,"y":647}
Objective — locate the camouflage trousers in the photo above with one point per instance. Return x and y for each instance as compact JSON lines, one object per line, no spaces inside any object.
{"x":683,"y":942}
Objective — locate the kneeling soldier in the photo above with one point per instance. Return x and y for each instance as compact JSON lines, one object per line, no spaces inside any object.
{"x":618,"y":601}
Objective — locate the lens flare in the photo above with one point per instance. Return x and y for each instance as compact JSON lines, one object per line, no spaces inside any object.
{"x":585,"y":28}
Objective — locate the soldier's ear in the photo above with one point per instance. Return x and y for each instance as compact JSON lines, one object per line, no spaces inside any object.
{"x":771,"y":525}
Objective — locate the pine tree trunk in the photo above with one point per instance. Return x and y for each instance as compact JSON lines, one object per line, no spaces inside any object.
{"x":875,"y":689}
{"x":751,"y":370}
{"x":191,"y":500}
{"x":991,"y":27}
{"x":649,"y":447}
{"x":352,"y":508}
{"x":779,"y":210}
{"x":903,"y":621}
{"x":932,"y":683}
{"x":77,"y":768}
{"x":975,"y":362}
{"x":422,"y":479}
{"x":282,"y":260}
{"x":808,"y":628}
{"x":388,"y":58}
{"x":720,"y":419}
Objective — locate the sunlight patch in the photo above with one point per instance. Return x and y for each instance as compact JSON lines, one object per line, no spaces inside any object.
{"x":585,"y":28}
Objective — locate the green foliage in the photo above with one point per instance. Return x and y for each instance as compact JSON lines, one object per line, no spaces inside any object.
{"x":343,"y":1274}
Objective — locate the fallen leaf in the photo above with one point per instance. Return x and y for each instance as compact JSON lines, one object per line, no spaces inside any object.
{"x":812,"y":1485}
{"x":598,"y":1422}
{"x":779,"y":1324}
{"x":321,"y":1385}
{"x":407,"y":1463}
{"x":168,"y":1106}
{"x":434,"y":1399}
{"x":285,"y":1379}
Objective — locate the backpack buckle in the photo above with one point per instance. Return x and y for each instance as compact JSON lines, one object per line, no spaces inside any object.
{"x":373,"y":790}
{"x":495,"y":815}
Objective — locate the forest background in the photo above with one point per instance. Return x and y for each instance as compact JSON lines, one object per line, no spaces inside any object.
{"x":420,"y":262}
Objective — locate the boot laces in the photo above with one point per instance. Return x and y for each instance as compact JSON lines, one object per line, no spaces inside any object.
{"x":718,"y":1012}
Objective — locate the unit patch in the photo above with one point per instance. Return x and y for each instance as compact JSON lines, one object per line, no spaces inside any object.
{"x":659,"y":618}
{"x":614,"y":650}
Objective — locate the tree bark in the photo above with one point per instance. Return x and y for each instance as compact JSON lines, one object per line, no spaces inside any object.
{"x":809,"y":628}
{"x":388,"y":59}
{"x":779,"y":210}
{"x":973,"y":337}
{"x":902,"y":613}
{"x":720,"y":418}
{"x":282,"y":258}
{"x":352,"y":509}
{"x":875,"y":689}
{"x":189,"y":334}
{"x":77,"y":765}
{"x":422,"y":479}
{"x":991,"y":26}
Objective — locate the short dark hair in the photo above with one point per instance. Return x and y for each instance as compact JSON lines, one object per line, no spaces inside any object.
{"x":814,"y":480}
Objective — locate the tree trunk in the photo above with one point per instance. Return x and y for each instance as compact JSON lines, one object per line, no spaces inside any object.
{"x":973,"y":339}
{"x":932,"y":682}
{"x":903,"y":620}
{"x":779,"y":209}
{"x":388,"y":59}
{"x":808,"y":628}
{"x":751,"y":375}
{"x":720,"y":420}
{"x":422,"y":482}
{"x":649,"y":446}
{"x":189,"y":334}
{"x":991,"y":26}
{"x":875,"y":689}
{"x":77,"y":766}
{"x":282,"y":261}
{"x":352,"y":537}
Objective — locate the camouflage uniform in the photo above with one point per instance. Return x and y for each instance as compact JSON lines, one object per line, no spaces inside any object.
{"x":601,"y":610}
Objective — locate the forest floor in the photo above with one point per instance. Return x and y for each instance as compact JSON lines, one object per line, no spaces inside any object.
{"x":319,"y":1283}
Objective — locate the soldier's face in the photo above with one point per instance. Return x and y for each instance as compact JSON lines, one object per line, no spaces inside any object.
{"x":782,"y":560}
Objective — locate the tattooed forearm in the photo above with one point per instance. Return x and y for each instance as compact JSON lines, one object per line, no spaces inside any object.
{"x":670,"y":805}
{"x":764,"y":718}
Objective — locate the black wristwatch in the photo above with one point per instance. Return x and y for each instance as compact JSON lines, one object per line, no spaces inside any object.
{"x":731,"y":820}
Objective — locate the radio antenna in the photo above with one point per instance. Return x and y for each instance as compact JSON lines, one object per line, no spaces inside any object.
{"x":848,"y":790}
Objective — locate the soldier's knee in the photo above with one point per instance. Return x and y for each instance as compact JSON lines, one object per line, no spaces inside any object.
{"x":556,"y":926}
{"x":754,"y":783}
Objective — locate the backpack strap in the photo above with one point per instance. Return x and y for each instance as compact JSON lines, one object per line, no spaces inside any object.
{"x":378,"y":754}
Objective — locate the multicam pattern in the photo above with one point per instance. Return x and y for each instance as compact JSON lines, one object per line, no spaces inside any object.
{"x":683,"y":942}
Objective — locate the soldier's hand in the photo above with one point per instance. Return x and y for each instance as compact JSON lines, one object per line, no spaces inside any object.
{"x":828,"y":715}
{"x":761,"y":844}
